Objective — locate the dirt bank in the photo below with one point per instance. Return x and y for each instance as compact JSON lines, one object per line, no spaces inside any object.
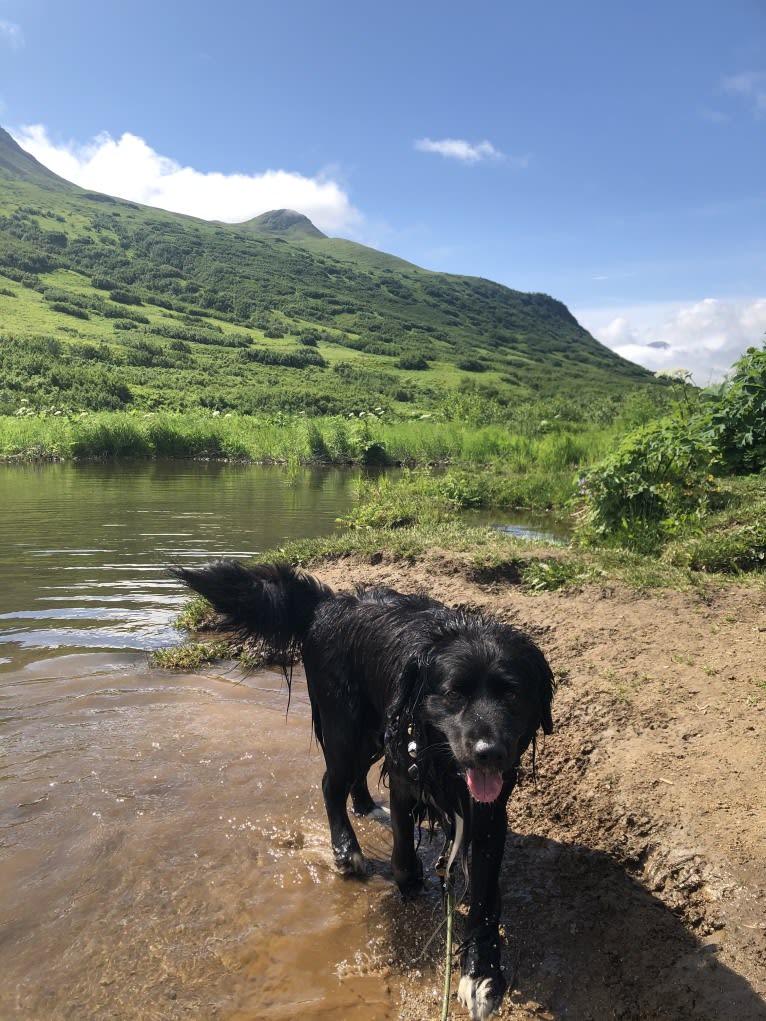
{"x":635,"y":873}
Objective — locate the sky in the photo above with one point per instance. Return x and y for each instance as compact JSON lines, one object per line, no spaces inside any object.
{"x":610,"y":154}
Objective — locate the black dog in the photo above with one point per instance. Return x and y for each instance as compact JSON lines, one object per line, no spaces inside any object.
{"x":450,"y":701}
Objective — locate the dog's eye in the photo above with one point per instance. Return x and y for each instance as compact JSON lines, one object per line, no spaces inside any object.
{"x":453,"y":697}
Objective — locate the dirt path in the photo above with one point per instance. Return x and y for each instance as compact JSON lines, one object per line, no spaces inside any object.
{"x":635,"y":875}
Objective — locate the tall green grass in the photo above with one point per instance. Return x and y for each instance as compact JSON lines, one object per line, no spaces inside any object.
{"x":364,"y":439}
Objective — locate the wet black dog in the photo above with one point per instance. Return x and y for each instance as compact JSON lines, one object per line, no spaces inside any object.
{"x":450,"y":701}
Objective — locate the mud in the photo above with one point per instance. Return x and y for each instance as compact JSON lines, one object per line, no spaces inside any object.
{"x":635,"y":871}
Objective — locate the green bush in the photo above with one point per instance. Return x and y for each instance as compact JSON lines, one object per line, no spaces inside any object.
{"x":656,"y":484}
{"x":412,"y":362}
{"x":431,"y":497}
{"x":740,"y":417}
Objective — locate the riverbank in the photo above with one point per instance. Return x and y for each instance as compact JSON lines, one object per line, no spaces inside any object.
{"x":634,"y":875}
{"x":371,"y":438}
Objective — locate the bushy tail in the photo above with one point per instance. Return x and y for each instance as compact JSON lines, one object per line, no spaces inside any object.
{"x":273,"y":602}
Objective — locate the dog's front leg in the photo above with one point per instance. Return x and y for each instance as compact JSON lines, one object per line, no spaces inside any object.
{"x":482,"y":984}
{"x":406,"y":866}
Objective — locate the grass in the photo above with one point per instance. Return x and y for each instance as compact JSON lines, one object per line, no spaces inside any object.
{"x":371,"y":438}
{"x":190,"y":655}
{"x":732,"y":537}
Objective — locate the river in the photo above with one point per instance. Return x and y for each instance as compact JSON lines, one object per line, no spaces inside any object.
{"x":163,"y":846}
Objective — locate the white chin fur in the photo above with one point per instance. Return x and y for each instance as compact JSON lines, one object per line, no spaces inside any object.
{"x":476,"y":996}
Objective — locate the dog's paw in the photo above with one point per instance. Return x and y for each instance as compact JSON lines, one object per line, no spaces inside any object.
{"x":481,"y":996}
{"x":351,"y":863}
{"x":409,"y":879}
{"x":381,"y":814}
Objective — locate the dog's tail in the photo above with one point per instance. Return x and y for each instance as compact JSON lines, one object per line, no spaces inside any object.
{"x":273,"y":602}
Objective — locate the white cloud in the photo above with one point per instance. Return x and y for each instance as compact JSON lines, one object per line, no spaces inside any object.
{"x":459,"y":149}
{"x":704,"y":337}
{"x":12,"y":34}
{"x":129,"y":168}
{"x":751,"y":85}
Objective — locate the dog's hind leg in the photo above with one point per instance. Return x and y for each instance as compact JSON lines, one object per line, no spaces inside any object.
{"x":336,"y":785}
{"x":361,"y":799}
{"x":368,"y":753}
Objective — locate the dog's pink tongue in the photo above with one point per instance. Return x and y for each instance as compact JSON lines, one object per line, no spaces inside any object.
{"x":484,"y":785}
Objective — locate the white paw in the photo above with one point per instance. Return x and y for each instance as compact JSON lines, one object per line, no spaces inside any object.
{"x":478,"y":997}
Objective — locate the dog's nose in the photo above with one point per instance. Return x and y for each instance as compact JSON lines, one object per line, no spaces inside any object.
{"x":488,"y":754}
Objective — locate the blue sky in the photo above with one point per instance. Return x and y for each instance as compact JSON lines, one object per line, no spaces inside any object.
{"x":607,"y":153}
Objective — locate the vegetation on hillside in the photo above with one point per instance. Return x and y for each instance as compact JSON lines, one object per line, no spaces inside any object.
{"x":107,"y":305}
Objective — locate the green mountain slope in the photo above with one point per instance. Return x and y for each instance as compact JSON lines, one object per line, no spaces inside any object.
{"x":108,"y":304}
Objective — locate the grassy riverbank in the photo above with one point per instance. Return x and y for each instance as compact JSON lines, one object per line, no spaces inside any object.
{"x":730,"y":547}
{"x":368,"y":438}
{"x":730,"y":542}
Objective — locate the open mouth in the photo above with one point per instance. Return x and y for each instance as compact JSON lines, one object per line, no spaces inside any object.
{"x":484,"y":784}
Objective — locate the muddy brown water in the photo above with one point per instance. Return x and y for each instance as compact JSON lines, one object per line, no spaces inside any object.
{"x":163,"y":846}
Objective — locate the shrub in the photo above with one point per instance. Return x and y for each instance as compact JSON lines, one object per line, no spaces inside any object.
{"x":656,"y":484}
{"x":69,"y":310}
{"x":413,"y":362}
{"x":472,"y":365}
{"x":125,"y":298}
{"x":740,"y":417}
{"x":318,"y":448}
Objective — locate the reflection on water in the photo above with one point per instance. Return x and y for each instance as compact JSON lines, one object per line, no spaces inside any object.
{"x":163,"y":846}
{"x":85,"y":549}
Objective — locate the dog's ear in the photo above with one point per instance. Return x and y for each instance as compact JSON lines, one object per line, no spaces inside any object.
{"x":545,"y":686}
{"x":404,"y":699}
{"x":544,"y":682}
{"x":547,"y":720}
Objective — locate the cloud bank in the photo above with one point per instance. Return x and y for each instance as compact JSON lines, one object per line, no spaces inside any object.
{"x":130,"y":169}
{"x":704,"y":337}
{"x":459,"y":149}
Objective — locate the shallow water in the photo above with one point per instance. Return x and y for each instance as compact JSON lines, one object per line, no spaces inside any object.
{"x":164,"y":851}
{"x":163,"y":845}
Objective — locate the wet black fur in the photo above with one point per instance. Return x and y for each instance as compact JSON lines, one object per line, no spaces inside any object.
{"x":383,"y":670}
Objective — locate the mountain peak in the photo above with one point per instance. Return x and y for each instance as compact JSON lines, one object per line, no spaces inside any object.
{"x":282,"y":221}
{"x":17,"y":164}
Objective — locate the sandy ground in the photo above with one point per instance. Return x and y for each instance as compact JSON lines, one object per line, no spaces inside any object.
{"x":635,"y":871}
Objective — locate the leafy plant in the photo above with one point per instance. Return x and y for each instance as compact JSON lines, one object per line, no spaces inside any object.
{"x":740,"y":417}
{"x":657,"y":483}
{"x":552,"y":574}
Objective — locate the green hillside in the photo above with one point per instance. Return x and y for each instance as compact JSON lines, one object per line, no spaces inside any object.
{"x":105,"y":304}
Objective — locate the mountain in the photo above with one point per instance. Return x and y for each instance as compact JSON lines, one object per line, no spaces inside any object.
{"x":107,"y":303}
{"x":282,"y":221}
{"x":18,"y":165}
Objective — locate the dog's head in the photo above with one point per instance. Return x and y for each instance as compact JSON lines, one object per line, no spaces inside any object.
{"x":487,"y":688}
